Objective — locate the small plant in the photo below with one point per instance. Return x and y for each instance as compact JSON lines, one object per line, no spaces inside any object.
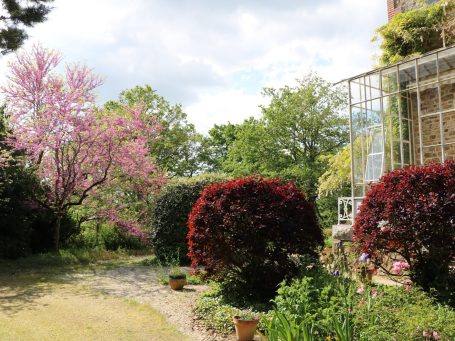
{"x":282,"y":327}
{"x":177,"y":273}
{"x":247,"y":315}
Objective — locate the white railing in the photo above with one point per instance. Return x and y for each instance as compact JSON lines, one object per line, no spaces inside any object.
{"x":345,"y":209}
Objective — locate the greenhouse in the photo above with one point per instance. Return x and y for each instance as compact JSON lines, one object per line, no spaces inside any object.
{"x":400,"y":115}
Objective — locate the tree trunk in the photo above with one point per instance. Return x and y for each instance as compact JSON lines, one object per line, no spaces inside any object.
{"x":58,"y":222}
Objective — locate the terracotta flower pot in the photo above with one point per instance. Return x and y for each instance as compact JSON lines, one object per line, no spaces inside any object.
{"x":245,"y":329}
{"x":177,"y":283}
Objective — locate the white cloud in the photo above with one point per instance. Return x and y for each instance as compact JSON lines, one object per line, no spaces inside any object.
{"x":212,"y":56}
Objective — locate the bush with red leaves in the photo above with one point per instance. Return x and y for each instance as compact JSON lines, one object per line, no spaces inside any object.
{"x":411,"y":212}
{"x":249,"y":232}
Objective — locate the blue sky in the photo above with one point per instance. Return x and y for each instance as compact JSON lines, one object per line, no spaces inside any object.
{"x":213,"y":57}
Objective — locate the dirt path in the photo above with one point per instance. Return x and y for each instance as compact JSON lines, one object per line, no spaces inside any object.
{"x":141,"y":284}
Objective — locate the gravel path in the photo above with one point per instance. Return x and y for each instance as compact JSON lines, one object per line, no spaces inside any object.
{"x":141,"y":283}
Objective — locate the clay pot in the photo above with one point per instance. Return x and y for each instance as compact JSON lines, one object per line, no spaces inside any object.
{"x":177,"y":283}
{"x":245,"y":329}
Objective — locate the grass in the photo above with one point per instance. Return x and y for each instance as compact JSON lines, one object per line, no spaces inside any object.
{"x":37,"y":306}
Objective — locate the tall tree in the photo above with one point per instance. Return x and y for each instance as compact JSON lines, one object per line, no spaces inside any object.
{"x":216,"y":146}
{"x":177,"y":148}
{"x":300,"y":124}
{"x":74,"y":147}
{"x":16,"y":15}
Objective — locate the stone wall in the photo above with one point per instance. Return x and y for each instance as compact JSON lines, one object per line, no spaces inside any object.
{"x":431,"y":129}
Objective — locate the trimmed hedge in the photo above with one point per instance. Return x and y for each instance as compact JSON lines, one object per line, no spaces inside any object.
{"x":411,"y":212}
{"x":169,"y":221}
{"x":249,"y":233}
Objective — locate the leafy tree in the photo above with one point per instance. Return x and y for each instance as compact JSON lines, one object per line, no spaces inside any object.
{"x":216,"y":146}
{"x":16,"y":15}
{"x":299,"y":125}
{"x":338,"y":174}
{"x":74,"y":148}
{"x":177,"y":148}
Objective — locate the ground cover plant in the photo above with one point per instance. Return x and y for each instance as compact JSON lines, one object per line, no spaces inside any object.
{"x":411,"y":213}
{"x":249,"y":234}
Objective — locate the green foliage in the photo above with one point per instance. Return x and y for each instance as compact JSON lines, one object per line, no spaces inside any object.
{"x":216,"y":146}
{"x":415,"y":32}
{"x":16,"y":15}
{"x":171,"y":209}
{"x":216,"y":313}
{"x":338,"y":173}
{"x":178,"y":147}
{"x":400,"y":314}
{"x":299,"y":125}
{"x":280,"y":327}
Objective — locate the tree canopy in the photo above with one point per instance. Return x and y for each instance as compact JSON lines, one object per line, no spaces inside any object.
{"x":177,"y":148}
{"x":18,"y":14}
{"x":299,"y":125}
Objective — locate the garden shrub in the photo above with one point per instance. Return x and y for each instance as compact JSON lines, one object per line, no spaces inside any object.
{"x":411,"y":212}
{"x":248,"y":234}
{"x":170,"y":216}
{"x":394,"y":313}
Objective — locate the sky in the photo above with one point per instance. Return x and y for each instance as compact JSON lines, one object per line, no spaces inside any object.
{"x":212,"y":56}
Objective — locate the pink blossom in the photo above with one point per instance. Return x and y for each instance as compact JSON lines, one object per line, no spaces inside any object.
{"x":399,"y":267}
{"x":361,"y":289}
{"x":426,"y":333}
{"x":74,"y":146}
{"x":436,"y":336}
{"x":374,"y":293}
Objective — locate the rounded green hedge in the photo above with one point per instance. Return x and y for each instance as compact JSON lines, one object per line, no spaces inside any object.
{"x":170,"y":215}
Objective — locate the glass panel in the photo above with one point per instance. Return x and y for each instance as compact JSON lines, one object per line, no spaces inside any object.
{"x":396,"y":154}
{"x":407,"y":76}
{"x":427,"y":70}
{"x":373,"y":112}
{"x":406,"y":153}
{"x":432,"y":153}
{"x":447,"y":64}
{"x":406,"y":130}
{"x":405,"y":103}
{"x":448,"y":126}
{"x":389,"y":81}
{"x":359,"y":191}
{"x":374,"y":167}
{"x":449,"y":152}
{"x":448,"y":94}
{"x":356,"y":91}
{"x":358,"y":142}
{"x":430,"y":130}
{"x":373,"y":82}
{"x":429,"y":99}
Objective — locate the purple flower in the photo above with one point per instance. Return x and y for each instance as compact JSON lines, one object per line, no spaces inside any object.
{"x":363,"y":257}
{"x":336,"y":273}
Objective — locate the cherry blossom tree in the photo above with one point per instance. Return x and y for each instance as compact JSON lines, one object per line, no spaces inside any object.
{"x":74,"y":147}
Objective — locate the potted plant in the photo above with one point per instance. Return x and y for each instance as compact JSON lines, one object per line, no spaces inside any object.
{"x":177,"y":279}
{"x":245,"y":325}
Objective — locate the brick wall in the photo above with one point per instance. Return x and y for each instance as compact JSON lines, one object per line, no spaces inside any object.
{"x":430,"y":125}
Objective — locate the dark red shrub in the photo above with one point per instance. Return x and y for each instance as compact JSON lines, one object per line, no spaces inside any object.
{"x":249,"y":232}
{"x":411,"y":212}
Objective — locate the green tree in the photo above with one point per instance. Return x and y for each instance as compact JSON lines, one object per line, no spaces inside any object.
{"x":300,"y":124}
{"x":178,"y":148}
{"x":216,"y":146}
{"x":16,"y":15}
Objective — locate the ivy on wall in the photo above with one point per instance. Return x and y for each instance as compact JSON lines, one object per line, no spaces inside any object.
{"x":416,"y":32}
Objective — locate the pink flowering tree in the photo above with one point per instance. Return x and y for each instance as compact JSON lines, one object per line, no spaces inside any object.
{"x":75,"y":148}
